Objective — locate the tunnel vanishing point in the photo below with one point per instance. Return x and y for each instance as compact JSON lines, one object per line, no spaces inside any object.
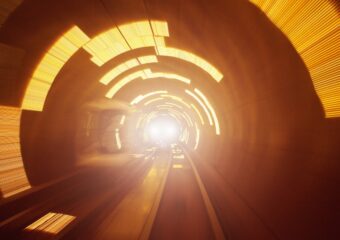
{"x":170,"y":119}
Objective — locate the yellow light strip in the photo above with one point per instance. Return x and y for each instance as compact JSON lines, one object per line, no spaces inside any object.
{"x":187,"y":136}
{"x":180,"y":100}
{"x":140,"y":119}
{"x":103,"y":48}
{"x":192,"y":58}
{"x":118,"y":142}
{"x":177,"y":166}
{"x":153,"y":100}
{"x":197,"y":137}
{"x":140,"y":98}
{"x":115,"y":72}
{"x":13,"y":177}
{"x":172,"y":96}
{"x":313,"y":28}
{"x":164,"y":106}
{"x":148,"y":59}
{"x":50,"y":65}
{"x":120,"y":84}
{"x":217,"y":125}
{"x":184,"y":134}
{"x":181,"y":156}
{"x":136,"y":100}
{"x":122,"y":120}
{"x":198,"y":113}
{"x":175,"y":117}
{"x":155,"y":93}
{"x":125,"y":66}
{"x":143,"y":74}
{"x":151,"y":75}
{"x":51,"y":223}
{"x":181,"y":138}
{"x":191,"y":124}
{"x":123,"y":38}
{"x":181,"y":114}
{"x":191,"y":106}
{"x":174,"y":105}
{"x":202,"y":105}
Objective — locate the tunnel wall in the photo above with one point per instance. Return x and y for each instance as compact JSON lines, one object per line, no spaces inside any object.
{"x":273,"y":173}
{"x":276,"y":176}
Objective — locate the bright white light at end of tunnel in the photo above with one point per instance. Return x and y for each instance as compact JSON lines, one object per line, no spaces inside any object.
{"x":163,"y":130}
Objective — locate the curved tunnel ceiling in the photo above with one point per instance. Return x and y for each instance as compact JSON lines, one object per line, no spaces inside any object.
{"x":103,"y":48}
{"x":245,"y":80}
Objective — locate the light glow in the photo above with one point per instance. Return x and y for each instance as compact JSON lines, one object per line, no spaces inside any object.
{"x":163,"y":130}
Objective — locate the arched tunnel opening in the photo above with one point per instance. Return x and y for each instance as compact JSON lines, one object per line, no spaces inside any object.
{"x":169,"y":119}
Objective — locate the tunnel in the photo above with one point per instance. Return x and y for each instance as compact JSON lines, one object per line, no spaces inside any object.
{"x":170,"y":119}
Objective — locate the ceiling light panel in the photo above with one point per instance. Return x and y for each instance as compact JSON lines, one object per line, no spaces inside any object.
{"x":211,"y":109}
{"x":202,"y":105}
{"x":192,"y":58}
{"x":143,"y":74}
{"x":123,"y":38}
{"x":315,"y":35}
{"x":115,"y":72}
{"x":50,"y":65}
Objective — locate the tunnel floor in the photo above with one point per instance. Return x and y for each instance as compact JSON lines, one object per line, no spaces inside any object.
{"x":157,"y":194}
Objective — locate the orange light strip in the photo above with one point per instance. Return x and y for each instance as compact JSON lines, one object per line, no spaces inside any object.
{"x":313,"y":28}
{"x":192,"y":58}
{"x":126,"y":37}
{"x":51,"y":223}
{"x":49,"y":66}
{"x":13,"y":177}
{"x":123,"y":38}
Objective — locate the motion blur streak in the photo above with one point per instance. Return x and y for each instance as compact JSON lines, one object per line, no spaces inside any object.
{"x":169,"y":120}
